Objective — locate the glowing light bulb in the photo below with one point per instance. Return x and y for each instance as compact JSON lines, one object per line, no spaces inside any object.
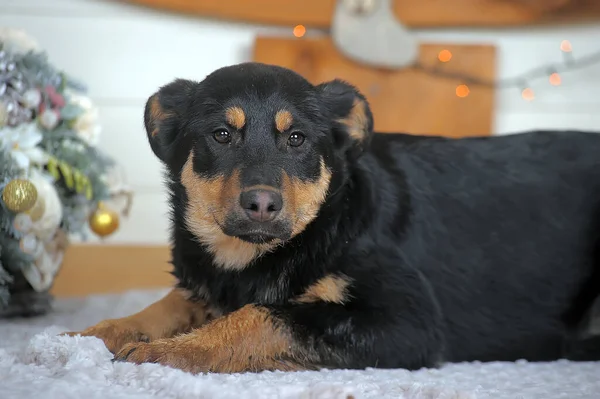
{"x":565,"y":46}
{"x":445,"y":55}
{"x":462,"y":91}
{"x":555,"y":79}
{"x":528,"y":94}
{"x":299,"y":30}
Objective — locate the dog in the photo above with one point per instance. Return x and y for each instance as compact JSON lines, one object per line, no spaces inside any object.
{"x":302,"y":239}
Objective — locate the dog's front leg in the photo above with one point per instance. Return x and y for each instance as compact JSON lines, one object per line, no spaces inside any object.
{"x":173,"y":314}
{"x":324,"y":328}
{"x":249,"y":339}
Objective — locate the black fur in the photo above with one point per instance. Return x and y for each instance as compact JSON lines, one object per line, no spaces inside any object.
{"x":458,"y":249}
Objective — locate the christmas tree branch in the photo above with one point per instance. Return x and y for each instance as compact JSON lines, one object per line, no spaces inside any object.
{"x":52,"y":175}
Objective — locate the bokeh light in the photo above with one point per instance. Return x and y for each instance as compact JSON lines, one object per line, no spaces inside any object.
{"x":299,"y":30}
{"x":462,"y":90}
{"x":528,"y":94}
{"x":445,"y":55}
{"x":555,"y":79}
{"x":565,"y":46}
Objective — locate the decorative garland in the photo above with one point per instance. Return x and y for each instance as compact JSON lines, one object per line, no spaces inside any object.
{"x":54,"y":181}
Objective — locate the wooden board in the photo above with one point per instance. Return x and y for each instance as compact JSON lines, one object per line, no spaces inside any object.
{"x":408,"y":100}
{"x":412,"y":13}
{"x":101,"y":269}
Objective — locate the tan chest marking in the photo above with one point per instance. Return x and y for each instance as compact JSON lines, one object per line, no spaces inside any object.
{"x":331,"y":288}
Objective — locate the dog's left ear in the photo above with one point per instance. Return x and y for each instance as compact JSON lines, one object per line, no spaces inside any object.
{"x":163,"y":115}
{"x":352,"y":117}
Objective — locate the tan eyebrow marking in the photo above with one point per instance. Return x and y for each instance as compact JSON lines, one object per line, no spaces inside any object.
{"x":235,"y":117}
{"x":283,"y":120}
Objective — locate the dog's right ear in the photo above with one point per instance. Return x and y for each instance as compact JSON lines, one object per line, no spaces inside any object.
{"x":163,"y":115}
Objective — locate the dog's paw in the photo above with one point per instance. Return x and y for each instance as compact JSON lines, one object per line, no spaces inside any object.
{"x":115,"y":333}
{"x":168,"y":352}
{"x":141,"y":352}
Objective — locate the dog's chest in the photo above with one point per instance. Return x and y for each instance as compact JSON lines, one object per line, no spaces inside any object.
{"x":230,"y":291}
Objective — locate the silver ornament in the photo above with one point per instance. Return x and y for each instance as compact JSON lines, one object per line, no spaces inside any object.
{"x":3,"y":114}
{"x":31,"y":98}
{"x":17,"y":84}
{"x":12,"y":87}
{"x":49,"y":119}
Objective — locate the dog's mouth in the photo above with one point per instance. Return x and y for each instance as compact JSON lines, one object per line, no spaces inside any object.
{"x":256,"y":233}
{"x":258,"y":237}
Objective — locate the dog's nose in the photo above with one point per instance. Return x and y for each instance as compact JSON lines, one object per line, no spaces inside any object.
{"x":261,"y":205}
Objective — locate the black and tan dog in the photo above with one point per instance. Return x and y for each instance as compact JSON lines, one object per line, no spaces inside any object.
{"x":303,"y":240}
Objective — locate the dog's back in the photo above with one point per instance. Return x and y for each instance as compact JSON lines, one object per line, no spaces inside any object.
{"x":522,"y":209}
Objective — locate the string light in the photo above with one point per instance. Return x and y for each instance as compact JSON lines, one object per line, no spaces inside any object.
{"x":552,"y":72}
{"x":567,"y":49}
{"x":565,"y":46}
{"x":528,"y":94}
{"x":555,"y":79}
{"x":462,"y":91}
{"x":299,"y":30}
{"x":445,"y":55}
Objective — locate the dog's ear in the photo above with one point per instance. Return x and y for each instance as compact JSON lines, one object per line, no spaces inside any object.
{"x":163,"y":116}
{"x":352,"y":117}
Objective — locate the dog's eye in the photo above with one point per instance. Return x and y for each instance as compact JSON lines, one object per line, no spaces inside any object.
{"x":222,"y":136}
{"x":296,"y":139}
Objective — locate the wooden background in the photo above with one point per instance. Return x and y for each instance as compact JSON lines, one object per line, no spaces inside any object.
{"x":412,"y":13}
{"x":407,"y":100}
{"x":123,"y":52}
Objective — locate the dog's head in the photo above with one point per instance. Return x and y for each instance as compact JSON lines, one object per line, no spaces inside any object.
{"x":257,"y":149}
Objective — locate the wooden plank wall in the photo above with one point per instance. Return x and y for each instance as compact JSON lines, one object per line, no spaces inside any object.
{"x":125,"y":52}
{"x":413,"y":13}
{"x":408,"y":100}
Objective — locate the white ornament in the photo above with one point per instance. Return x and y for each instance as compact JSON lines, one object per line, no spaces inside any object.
{"x":45,"y":227}
{"x":23,"y":144}
{"x":41,"y":273}
{"x":29,"y":243}
{"x":48,"y":243}
{"x":33,"y":276}
{"x":31,"y":98}
{"x":120,"y":192}
{"x":86,"y":125}
{"x":49,"y":119}
{"x":48,"y":259}
{"x":47,"y":265}
{"x":22,"y":222}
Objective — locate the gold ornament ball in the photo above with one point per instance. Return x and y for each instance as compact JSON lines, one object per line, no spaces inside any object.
{"x":19,"y":195}
{"x":104,"y":222}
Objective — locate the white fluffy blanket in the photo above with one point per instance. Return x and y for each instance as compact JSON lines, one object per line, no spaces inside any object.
{"x":36,"y":363}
